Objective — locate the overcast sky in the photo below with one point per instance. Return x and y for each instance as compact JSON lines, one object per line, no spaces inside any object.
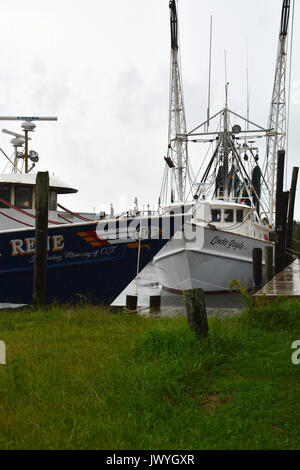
{"x":102,"y":67}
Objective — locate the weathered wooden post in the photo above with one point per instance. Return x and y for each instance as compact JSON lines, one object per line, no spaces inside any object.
{"x":41,"y":238}
{"x":269,"y":260}
{"x":290,"y":225}
{"x":131,"y":303}
{"x":285,"y":207}
{"x":257,"y":256}
{"x":279,"y":233}
{"x":155,"y":302}
{"x":196,"y":311}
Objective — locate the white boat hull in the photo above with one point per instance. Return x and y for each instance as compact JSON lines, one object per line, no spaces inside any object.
{"x":210,"y":261}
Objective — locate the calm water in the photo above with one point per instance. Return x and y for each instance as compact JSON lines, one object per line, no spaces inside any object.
{"x":171,"y":304}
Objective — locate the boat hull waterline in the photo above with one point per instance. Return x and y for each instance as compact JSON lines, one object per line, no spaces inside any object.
{"x":81,"y":265}
{"x":209,"y":262}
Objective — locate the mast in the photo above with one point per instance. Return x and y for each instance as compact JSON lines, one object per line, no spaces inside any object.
{"x":278,"y":112}
{"x":28,"y":126}
{"x":177,"y":156}
{"x":225,"y":136}
{"x":209,"y":73}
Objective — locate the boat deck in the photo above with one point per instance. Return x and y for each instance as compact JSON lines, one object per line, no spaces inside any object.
{"x":284,"y":284}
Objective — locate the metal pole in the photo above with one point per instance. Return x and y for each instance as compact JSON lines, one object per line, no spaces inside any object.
{"x":26,"y":151}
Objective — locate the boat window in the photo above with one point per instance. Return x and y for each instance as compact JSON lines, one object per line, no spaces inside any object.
{"x":240,"y":215}
{"x":216,"y":215}
{"x":228,"y":215}
{"x":23,"y":197}
{"x":52,"y":201}
{"x":5,"y":192}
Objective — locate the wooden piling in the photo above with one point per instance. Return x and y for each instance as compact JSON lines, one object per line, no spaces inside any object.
{"x":257,"y":256}
{"x":285,"y":208}
{"x":41,"y":239}
{"x":290,"y":224}
{"x":196,"y":311}
{"x":269,"y":261}
{"x":155,"y":302}
{"x":279,"y":233}
{"x":131,"y":303}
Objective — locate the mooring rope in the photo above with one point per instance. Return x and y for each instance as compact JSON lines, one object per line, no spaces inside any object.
{"x":74,"y":214}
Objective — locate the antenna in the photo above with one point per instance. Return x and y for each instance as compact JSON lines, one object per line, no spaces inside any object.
{"x":209,"y":71}
{"x":15,"y":134}
{"x":247,"y":78}
{"x":28,"y":126}
{"x":226,"y":82}
{"x":27,"y":118}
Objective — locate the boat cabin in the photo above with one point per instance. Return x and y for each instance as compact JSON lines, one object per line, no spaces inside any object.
{"x":18,"y":190}
{"x":238,"y":218}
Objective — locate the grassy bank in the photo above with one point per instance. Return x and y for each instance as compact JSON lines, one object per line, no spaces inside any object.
{"x":88,"y":379}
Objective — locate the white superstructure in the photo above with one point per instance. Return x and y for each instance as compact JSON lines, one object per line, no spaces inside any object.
{"x":17,"y":186}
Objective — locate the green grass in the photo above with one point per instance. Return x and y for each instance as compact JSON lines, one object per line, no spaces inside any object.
{"x":85,"y":378}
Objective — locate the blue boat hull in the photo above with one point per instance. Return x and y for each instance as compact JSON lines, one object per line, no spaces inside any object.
{"x":80,"y":265}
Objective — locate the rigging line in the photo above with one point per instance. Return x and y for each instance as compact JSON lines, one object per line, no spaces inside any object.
{"x":68,"y":221}
{"x":25,"y":212}
{"x":203,"y":124}
{"x":10,"y":161}
{"x":4,"y":169}
{"x":289,"y":93}
{"x":76,"y":215}
{"x":200,"y":169}
{"x":250,"y":122}
{"x":16,"y":220}
{"x":199,"y":172}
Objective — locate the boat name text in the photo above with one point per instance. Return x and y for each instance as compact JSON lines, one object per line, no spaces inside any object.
{"x":228,"y":243}
{"x":27,"y":246}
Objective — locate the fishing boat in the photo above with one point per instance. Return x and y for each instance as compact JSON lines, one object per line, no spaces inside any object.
{"x":91,"y":259}
{"x":233,"y":202}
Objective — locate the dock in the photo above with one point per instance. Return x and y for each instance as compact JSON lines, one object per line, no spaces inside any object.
{"x":284,"y":284}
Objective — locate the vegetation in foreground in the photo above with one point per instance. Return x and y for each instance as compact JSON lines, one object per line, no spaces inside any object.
{"x":85,"y":378}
